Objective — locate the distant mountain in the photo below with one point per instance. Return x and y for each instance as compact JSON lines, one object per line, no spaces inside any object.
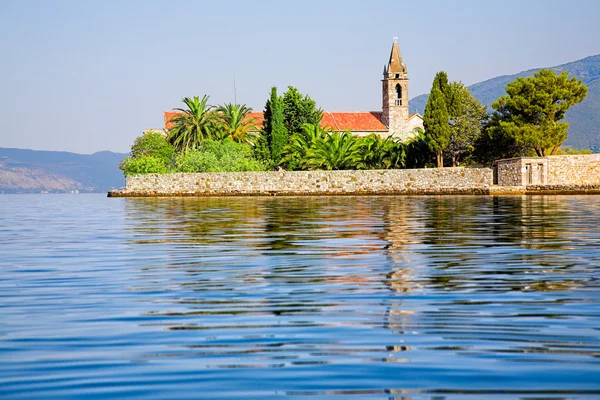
{"x":584,"y":118}
{"x":32,"y":171}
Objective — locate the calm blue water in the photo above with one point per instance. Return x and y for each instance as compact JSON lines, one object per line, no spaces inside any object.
{"x":269,"y":298}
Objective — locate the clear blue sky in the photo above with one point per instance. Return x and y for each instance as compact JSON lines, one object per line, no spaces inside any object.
{"x":86,"y":76}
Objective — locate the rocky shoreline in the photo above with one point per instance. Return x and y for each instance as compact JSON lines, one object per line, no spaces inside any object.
{"x":490,"y":191}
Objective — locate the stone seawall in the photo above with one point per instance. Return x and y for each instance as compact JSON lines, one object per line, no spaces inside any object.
{"x":579,"y":169}
{"x":409,"y":181}
{"x":566,"y":170}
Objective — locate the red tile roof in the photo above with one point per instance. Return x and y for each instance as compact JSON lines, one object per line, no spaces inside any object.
{"x":259,"y":118}
{"x":354,"y":121}
{"x":338,"y":121}
{"x":168,"y":116}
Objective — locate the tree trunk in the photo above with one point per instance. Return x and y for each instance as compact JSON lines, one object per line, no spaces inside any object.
{"x":440,"y":160}
{"x":454,"y":159}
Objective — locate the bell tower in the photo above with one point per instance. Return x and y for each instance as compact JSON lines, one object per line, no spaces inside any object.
{"x":395,"y":94}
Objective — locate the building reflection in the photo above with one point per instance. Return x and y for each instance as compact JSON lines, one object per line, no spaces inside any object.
{"x":330,"y":245}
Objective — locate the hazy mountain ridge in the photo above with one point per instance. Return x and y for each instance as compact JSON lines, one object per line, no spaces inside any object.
{"x":34,"y":171}
{"x":584,"y":118}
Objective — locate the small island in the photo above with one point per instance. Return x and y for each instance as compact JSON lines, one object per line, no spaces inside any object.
{"x":295,"y":148}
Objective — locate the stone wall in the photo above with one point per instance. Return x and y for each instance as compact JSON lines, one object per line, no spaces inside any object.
{"x":566,"y":170}
{"x":423,"y":181}
{"x":580,"y":169}
{"x":521,"y":171}
{"x":508,"y":172}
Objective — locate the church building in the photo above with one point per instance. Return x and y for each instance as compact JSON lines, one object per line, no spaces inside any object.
{"x":393,"y":119}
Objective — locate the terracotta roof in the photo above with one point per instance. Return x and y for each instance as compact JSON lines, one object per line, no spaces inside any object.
{"x":259,"y":118}
{"x":354,"y":121}
{"x":339,"y":121}
{"x":168,"y":116}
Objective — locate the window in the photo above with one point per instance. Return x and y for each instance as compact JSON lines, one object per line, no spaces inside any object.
{"x":397,"y":76}
{"x":398,"y":95}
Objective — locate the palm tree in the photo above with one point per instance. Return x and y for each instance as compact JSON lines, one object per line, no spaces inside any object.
{"x":192,"y":125}
{"x":234,"y":124}
{"x":380,"y":153}
{"x":300,"y":144}
{"x":335,"y":151}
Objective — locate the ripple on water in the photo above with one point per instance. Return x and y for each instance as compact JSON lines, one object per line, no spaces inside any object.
{"x":370,"y":297}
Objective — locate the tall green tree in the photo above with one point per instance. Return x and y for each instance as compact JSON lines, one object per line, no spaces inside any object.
{"x":274,"y":129}
{"x":192,"y":124}
{"x":467,"y":117}
{"x":435,"y":120}
{"x":234,"y":123}
{"x":441,"y":82}
{"x":299,"y":110}
{"x":494,"y":144}
{"x":531,"y":111}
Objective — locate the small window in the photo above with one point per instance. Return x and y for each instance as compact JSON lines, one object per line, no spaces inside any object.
{"x":397,"y":76}
{"x":398,"y":95}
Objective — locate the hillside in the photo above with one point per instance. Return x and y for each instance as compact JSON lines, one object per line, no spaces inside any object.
{"x":32,"y":171}
{"x":584,"y":118}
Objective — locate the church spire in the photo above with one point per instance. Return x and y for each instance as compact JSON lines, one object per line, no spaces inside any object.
{"x":395,"y":65}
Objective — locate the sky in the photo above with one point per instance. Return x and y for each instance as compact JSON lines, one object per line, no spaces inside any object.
{"x":85,"y":76}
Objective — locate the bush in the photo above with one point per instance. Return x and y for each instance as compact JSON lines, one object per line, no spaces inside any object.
{"x":418,"y":154}
{"x":153,"y":144}
{"x":218,"y":156}
{"x":143,"y":164}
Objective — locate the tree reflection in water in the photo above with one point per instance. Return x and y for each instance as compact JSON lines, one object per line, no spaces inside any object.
{"x":328,"y":261}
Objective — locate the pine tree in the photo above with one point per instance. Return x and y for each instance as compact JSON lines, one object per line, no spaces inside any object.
{"x":531,"y":112}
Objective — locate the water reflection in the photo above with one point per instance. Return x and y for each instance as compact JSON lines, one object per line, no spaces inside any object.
{"x":296,"y":282}
{"x":369,"y":297}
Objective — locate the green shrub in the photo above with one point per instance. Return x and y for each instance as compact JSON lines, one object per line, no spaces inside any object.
{"x":153,"y":144}
{"x":143,"y":164}
{"x":218,"y":156}
{"x":418,"y":154}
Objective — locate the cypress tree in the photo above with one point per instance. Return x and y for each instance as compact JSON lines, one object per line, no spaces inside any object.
{"x":275,"y":129}
{"x":441,"y":82}
{"x":435,"y":120}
